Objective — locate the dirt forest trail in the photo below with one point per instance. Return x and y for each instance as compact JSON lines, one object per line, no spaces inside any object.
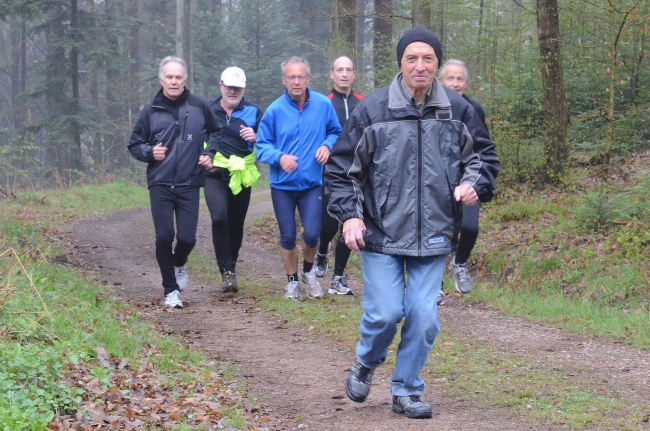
{"x":297,"y":377}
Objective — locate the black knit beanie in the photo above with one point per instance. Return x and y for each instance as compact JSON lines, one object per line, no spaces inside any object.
{"x":418,"y":34}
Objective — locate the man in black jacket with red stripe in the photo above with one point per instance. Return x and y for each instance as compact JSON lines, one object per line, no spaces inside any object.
{"x":344,"y":99}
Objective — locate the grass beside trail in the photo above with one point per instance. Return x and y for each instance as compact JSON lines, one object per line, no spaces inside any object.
{"x":69,"y":351}
{"x":577,"y":261}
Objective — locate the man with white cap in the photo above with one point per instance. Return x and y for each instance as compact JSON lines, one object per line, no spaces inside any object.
{"x":228,"y":183}
{"x":398,"y":174}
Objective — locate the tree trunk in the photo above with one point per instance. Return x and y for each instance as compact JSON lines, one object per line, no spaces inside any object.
{"x":16,"y":38}
{"x":383,"y":43}
{"x":184,"y":37}
{"x":555,"y":108}
{"x":421,"y":13}
{"x":134,"y":65}
{"x":343,"y":30}
{"x":113,"y":142}
{"x":615,"y":35}
{"x":93,"y":84}
{"x":84,"y":160}
{"x":478,"y":37}
{"x":361,"y":34}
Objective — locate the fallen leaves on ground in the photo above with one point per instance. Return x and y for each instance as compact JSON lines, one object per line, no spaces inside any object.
{"x":143,"y":398}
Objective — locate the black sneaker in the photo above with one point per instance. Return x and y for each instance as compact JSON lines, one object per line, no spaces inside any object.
{"x":357,"y":385}
{"x":229,"y":282}
{"x":412,"y":407}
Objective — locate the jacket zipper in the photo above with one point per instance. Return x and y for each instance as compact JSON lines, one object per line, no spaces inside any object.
{"x":179,"y":138}
{"x":419,"y":187}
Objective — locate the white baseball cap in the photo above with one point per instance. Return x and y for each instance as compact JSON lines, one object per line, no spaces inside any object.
{"x":234,"y":77}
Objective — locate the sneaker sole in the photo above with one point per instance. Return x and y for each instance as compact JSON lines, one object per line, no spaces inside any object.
{"x":354,"y":397}
{"x":459,"y":290}
{"x":315,"y":297}
{"x":229,"y":289}
{"x":334,"y":291}
{"x":415,"y":415}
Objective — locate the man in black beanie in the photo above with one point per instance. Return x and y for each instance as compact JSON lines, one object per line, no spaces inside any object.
{"x":398,"y":176}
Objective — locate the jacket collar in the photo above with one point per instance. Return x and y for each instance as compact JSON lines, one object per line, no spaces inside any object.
{"x":341,"y":95}
{"x":159,"y":101}
{"x":237,"y":108}
{"x":402,"y":107}
{"x":286,"y":94}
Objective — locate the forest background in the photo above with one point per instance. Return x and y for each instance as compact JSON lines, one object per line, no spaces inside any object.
{"x":556,"y":77}
{"x":566,"y":241}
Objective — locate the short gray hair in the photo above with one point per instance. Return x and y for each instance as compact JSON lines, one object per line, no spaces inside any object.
{"x":296,"y":59}
{"x":455,"y":63}
{"x":172,"y":59}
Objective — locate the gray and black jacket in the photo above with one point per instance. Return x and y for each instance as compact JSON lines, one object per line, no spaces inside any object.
{"x":396,"y":168}
{"x":183,"y":134}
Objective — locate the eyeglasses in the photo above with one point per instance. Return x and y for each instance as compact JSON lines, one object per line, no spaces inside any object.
{"x":233,"y":89}
{"x":300,"y":78}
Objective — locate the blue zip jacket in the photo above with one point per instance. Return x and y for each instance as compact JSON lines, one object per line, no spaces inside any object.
{"x":285,"y":129}
{"x":246,"y":114}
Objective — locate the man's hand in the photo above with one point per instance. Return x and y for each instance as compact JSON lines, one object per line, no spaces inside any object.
{"x":353,"y":233}
{"x":466,"y":194}
{"x":247,"y":133}
{"x":288,"y":162}
{"x":205,"y":161}
{"x":158,"y":152}
{"x":322,"y":154}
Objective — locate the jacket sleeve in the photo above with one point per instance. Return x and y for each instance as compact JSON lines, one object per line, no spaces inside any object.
{"x":485,"y":149}
{"x":266,"y":151}
{"x":139,"y":145}
{"x":213,"y":131}
{"x":258,"y":118}
{"x":332,"y":128}
{"x":345,"y":171}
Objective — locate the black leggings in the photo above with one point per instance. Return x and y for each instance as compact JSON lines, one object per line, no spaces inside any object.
{"x":165,"y":203}
{"x":468,"y":233}
{"x":228,"y":213}
{"x":328,"y":228}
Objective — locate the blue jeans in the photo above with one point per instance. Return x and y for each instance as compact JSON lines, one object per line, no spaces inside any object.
{"x":397,"y":287}
{"x":309,"y":208}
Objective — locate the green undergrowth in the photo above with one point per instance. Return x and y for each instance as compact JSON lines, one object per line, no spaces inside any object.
{"x":55,"y":320}
{"x":581,"y":262}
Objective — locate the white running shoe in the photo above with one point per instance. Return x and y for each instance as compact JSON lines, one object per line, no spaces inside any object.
{"x":462,"y":281}
{"x":173,"y":300}
{"x":314,"y":291}
{"x":292,"y":290}
{"x":440,"y":299}
{"x":181,"y":276}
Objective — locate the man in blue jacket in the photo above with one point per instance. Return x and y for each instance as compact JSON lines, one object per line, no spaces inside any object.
{"x":169,"y":135}
{"x":295,"y":137}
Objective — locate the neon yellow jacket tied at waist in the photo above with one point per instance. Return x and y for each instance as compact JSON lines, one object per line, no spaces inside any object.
{"x":243,"y":172}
